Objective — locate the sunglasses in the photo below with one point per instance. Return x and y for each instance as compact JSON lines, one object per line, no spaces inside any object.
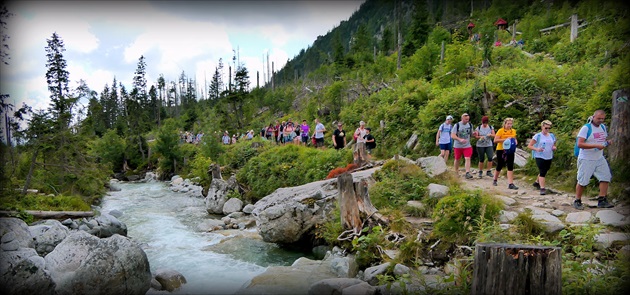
{"x":547,"y":128}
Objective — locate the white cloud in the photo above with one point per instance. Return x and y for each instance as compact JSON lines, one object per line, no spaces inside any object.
{"x":190,"y":40}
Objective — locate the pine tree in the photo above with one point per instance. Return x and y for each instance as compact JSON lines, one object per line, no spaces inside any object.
{"x":57,"y":78}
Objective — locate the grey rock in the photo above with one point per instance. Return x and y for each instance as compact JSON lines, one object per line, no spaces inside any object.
{"x":83,"y":263}
{"x":232,"y":205}
{"x":332,"y":286}
{"x":48,"y":234}
{"x":437,"y":190}
{"x":170,"y":279}
{"x":610,"y":217}
{"x":19,"y":229}
{"x":23,"y":272}
{"x":579,"y":217}
{"x":370,"y":274}
{"x":217,"y":195}
{"x":432,"y":166}
{"x":287,"y":214}
{"x":248,"y":208}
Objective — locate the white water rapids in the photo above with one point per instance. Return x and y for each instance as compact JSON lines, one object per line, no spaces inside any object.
{"x":165,"y":223}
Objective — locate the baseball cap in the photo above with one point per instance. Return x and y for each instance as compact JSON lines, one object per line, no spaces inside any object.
{"x":361,"y":123}
{"x":465,"y":115}
{"x":449,"y":117}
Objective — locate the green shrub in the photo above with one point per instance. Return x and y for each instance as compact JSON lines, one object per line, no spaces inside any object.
{"x":396,"y":183}
{"x":288,"y":165}
{"x":457,"y":215}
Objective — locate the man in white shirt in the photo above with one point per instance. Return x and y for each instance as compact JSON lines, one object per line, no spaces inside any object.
{"x":591,"y":161}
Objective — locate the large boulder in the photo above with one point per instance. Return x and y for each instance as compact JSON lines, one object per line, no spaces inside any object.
{"x":287,"y":214}
{"x":85,"y":264}
{"x":218,"y":194}
{"x":23,"y":272}
{"x":48,"y":234}
{"x":432,"y":166}
{"x":15,"y":234}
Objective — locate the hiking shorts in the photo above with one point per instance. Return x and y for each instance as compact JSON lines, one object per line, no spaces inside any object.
{"x":598,"y":168}
{"x":467,"y":152}
{"x":543,"y":166}
{"x":446,"y":146}
{"x":485,"y":152}
{"x":319,"y":142}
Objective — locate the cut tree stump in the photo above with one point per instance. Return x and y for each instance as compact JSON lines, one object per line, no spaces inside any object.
{"x":354,"y":203}
{"x":517,"y":269}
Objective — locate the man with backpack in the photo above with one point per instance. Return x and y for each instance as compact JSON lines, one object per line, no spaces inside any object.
{"x":461,"y":143}
{"x":591,"y":142}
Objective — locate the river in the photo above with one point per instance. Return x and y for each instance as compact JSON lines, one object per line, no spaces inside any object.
{"x":165,"y":223}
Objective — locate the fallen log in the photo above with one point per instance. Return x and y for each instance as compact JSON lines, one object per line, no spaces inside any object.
{"x":50,"y":214}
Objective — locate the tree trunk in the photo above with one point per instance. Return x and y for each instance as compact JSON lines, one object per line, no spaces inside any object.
{"x":517,"y":269}
{"x":619,"y":131}
{"x":485,"y":100}
{"x":348,"y":206}
{"x":51,"y":214}
{"x":354,"y":203}
{"x":27,"y":182}
{"x":214,"y":171}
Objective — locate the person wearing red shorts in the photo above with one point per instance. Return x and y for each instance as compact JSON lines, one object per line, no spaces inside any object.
{"x":461,"y":133}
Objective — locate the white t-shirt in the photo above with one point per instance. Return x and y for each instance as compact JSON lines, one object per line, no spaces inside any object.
{"x":598,"y":136}
{"x":319,"y":130}
{"x":546,"y":142}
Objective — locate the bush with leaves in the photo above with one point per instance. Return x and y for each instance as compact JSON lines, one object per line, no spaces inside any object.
{"x":289,"y":165}
{"x":457,"y":215}
{"x":396,"y":183}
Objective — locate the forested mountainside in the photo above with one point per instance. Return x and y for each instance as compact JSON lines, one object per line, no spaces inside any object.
{"x":455,"y":57}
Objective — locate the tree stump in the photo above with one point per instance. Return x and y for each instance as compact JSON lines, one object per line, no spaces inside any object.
{"x":214,"y":171}
{"x":619,"y":131}
{"x":354,"y":203}
{"x":517,"y":269}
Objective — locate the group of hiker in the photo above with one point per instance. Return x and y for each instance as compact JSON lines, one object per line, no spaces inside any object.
{"x":288,"y":132}
{"x":590,"y":143}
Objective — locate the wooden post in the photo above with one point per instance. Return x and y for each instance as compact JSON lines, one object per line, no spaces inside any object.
{"x":619,"y":131}
{"x":517,"y":269}
{"x":574,"y":27}
{"x":442,"y":52}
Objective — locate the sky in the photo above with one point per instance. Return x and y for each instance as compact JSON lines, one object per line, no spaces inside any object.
{"x":105,"y":39}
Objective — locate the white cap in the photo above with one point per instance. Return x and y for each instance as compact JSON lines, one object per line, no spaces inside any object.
{"x":361,"y":123}
{"x":449,"y":117}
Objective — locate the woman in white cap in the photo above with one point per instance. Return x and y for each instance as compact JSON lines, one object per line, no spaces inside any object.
{"x":443,"y":138}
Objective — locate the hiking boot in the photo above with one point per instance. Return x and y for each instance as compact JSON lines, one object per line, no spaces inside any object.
{"x":602,"y":202}
{"x":489,"y":173}
{"x":536,"y":185}
{"x":543,"y":191}
{"x":480,"y":174}
{"x":494,"y":182}
{"x":512,"y":186}
{"x":468,"y":176}
{"x":577,"y":204}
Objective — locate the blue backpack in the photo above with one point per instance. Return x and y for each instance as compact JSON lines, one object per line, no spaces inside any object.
{"x":509,"y":146}
{"x":553,"y":137}
{"x":576,"y":149}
